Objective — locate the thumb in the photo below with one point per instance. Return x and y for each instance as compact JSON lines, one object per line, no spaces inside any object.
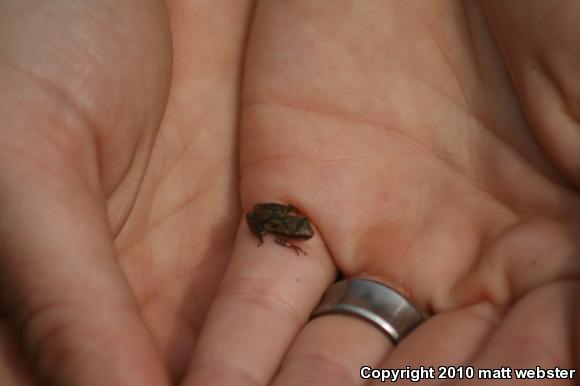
{"x":60,"y":282}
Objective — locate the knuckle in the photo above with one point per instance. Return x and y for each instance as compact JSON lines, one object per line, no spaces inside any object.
{"x":322,"y":369}
{"x":229,"y":374}
{"x":263,"y":295}
{"x":48,"y":333}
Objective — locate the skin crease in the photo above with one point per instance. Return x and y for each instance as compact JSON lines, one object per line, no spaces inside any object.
{"x":426,"y":153}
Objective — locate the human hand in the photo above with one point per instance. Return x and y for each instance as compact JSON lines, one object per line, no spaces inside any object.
{"x":395,"y":127}
{"x":118,"y":195}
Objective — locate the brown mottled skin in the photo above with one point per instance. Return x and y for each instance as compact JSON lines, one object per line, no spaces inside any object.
{"x":281,"y":220}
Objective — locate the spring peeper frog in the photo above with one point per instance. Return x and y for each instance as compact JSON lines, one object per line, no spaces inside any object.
{"x":283,"y":221}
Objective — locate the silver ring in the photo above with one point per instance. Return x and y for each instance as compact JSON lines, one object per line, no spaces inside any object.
{"x":374,"y":302}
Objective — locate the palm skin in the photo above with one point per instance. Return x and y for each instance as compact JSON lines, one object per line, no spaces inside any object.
{"x":129,"y":144}
{"x":395,"y":127}
{"x":403,"y":141}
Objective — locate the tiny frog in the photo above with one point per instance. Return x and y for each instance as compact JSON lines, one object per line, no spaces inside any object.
{"x":284,"y":221}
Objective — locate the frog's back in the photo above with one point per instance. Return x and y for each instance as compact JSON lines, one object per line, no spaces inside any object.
{"x":295,"y":227}
{"x":279,"y":219}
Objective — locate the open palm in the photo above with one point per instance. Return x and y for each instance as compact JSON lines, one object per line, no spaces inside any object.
{"x":396,"y":129}
{"x":119,"y":176}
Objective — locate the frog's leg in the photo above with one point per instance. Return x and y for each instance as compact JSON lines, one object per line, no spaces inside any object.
{"x":292,"y":209}
{"x":284,"y":242}
{"x":261,"y":238}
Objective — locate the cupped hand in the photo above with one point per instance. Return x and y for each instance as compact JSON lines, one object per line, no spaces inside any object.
{"x":118,"y":184}
{"x":434,"y":147}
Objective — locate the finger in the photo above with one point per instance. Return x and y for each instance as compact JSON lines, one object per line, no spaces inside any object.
{"x":446,"y":339}
{"x":538,"y":331}
{"x":331,"y":350}
{"x":14,"y":369}
{"x":545,"y":67}
{"x":265,"y":298}
{"x":60,"y":282}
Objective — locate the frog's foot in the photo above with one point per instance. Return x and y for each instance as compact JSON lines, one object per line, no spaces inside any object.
{"x":284,"y":242}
